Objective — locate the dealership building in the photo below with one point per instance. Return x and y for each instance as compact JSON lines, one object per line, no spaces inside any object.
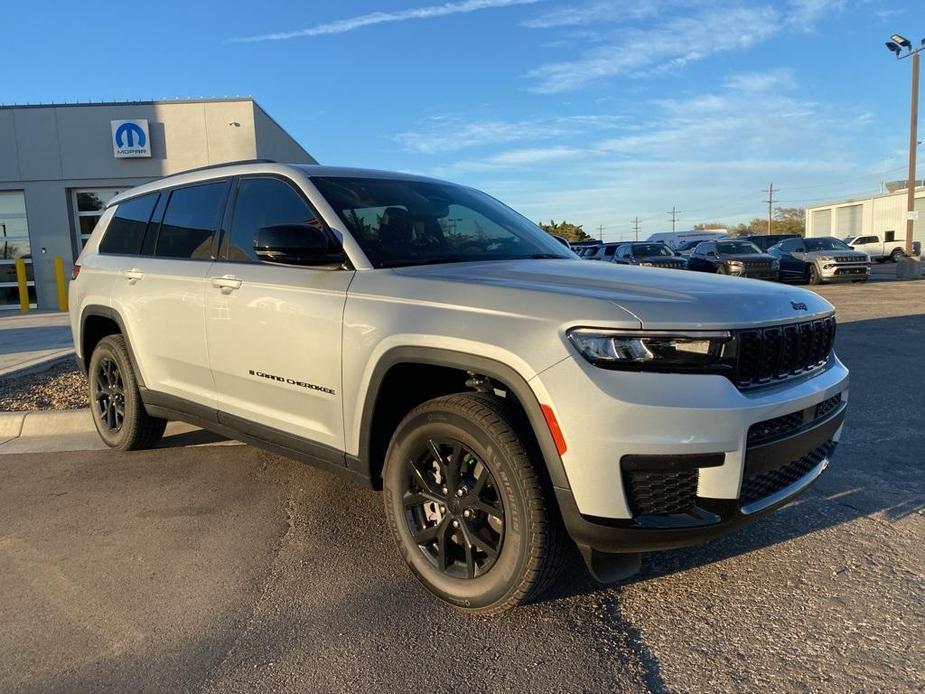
{"x":61,"y":163}
{"x":883,"y":214}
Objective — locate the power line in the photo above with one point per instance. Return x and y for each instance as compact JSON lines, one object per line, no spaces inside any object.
{"x":636,"y":227}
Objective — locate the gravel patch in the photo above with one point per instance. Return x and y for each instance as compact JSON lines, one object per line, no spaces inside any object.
{"x":60,"y":387}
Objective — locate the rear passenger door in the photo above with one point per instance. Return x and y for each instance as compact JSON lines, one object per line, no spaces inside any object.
{"x":274,"y":331}
{"x":160,"y":292}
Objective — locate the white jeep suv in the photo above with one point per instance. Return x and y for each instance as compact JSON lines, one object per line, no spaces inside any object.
{"x":423,"y":338}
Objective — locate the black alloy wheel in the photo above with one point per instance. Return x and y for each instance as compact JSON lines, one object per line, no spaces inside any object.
{"x":109,"y":395}
{"x":453,"y":508}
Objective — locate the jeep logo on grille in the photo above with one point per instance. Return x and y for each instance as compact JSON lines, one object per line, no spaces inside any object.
{"x":798,"y":306}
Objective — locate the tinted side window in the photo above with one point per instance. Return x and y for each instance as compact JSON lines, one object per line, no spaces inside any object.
{"x":263,"y":202}
{"x":127,"y":227}
{"x":190,"y":221}
{"x":609,"y":251}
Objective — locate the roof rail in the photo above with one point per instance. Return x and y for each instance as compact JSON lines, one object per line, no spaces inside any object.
{"x":226,"y":163}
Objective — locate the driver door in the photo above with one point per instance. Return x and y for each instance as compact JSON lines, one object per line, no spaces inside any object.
{"x":274,"y":331}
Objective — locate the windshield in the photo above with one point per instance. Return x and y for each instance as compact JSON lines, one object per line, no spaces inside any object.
{"x":826,"y":243}
{"x":737,"y":247}
{"x":405,"y":222}
{"x":646,"y":250}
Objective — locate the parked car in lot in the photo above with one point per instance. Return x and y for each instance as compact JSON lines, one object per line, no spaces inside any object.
{"x":765,"y":241}
{"x":649,"y":255}
{"x":735,"y":257}
{"x":674,"y":239}
{"x":686,"y":248}
{"x":820,"y":259}
{"x":584,"y":251}
{"x":604,"y":251}
{"x":503,"y":394}
{"x":881,"y":250}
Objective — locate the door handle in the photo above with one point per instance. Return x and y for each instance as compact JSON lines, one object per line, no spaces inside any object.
{"x":227,"y":283}
{"x":133,"y":275}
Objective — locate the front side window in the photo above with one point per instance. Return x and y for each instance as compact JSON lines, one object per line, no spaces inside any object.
{"x":126,"y":229}
{"x":190,"y":221}
{"x":609,"y":251}
{"x":405,"y":222}
{"x":263,"y":202}
{"x":647,"y":250}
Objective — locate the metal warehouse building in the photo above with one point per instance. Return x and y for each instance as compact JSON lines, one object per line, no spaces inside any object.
{"x":61,"y":163}
{"x":877,"y":214}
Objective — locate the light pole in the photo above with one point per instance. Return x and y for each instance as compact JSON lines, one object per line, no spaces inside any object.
{"x":902,"y":48}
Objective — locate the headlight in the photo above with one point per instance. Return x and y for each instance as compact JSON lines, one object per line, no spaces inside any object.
{"x":825,"y":258}
{"x":775,"y":265}
{"x":646,"y":264}
{"x":700,"y":351}
{"x":735,"y":263}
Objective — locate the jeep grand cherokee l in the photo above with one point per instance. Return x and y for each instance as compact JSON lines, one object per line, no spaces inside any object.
{"x":425,"y":339}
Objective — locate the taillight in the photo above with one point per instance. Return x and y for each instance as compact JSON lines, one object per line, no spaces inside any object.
{"x":75,"y":271}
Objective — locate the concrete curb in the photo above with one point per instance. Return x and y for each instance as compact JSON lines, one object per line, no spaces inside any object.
{"x":73,"y":430}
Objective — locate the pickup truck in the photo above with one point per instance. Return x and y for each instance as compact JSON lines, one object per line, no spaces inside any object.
{"x":881,"y":250}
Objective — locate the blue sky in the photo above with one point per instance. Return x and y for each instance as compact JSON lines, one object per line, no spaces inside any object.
{"x":596,"y":110}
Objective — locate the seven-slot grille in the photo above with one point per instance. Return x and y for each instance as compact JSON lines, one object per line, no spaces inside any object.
{"x":779,"y":352}
{"x":758,"y":264}
{"x":850,"y":259}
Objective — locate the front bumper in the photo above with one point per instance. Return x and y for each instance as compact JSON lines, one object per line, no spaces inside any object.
{"x":843,"y":272}
{"x":607,"y":417}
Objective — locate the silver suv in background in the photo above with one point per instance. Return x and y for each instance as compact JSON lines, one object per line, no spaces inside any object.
{"x":820,"y":259}
{"x":424,"y":339}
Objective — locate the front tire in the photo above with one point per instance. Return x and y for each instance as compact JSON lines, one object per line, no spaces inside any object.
{"x":814,"y":277}
{"x":468,"y":506}
{"x":115,"y":403}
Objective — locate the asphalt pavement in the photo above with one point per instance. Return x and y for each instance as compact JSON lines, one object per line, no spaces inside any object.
{"x":225,"y":569}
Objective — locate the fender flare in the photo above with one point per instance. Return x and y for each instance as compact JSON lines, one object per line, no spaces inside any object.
{"x":110,"y":313}
{"x":485,"y":366}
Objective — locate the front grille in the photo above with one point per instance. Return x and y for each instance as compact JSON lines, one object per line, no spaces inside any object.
{"x":826,"y":406}
{"x":655,"y":493}
{"x":779,"y":352}
{"x":760,"y":486}
{"x":772,"y":428}
{"x":850,"y":259}
{"x":757,"y":265}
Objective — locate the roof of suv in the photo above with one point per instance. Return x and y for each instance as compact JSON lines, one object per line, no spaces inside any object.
{"x":238,"y":168}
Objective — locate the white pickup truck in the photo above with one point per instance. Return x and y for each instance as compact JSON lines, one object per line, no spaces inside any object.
{"x":879,"y":249}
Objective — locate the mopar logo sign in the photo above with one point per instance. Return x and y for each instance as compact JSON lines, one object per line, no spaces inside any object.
{"x":130,"y":138}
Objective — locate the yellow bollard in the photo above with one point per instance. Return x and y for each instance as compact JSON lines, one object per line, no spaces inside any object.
{"x":23,"y":287}
{"x":60,"y":283}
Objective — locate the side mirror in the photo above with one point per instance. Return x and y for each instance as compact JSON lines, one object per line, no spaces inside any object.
{"x":712,"y":254}
{"x":296,"y":244}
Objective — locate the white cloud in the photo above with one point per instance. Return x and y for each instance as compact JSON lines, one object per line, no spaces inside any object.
{"x":341,"y":26}
{"x":803,"y":14}
{"x":780,"y":79}
{"x":594,"y":12}
{"x":674,"y":42}
{"x":451,"y":133}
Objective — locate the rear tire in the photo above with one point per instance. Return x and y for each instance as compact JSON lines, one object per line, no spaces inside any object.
{"x":479,"y":528}
{"x":115,"y":403}
{"x":896,"y":255}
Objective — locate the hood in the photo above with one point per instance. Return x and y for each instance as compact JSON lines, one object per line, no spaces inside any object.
{"x":760,"y":257}
{"x":658,"y":299}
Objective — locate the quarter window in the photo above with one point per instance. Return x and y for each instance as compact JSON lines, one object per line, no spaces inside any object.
{"x":190,"y":221}
{"x":89,"y":206}
{"x":127,"y":228}
{"x":263,"y":202}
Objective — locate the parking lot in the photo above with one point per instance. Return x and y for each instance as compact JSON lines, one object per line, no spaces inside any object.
{"x":222,"y":568}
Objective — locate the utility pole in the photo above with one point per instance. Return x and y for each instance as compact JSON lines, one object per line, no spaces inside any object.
{"x":770,"y":191}
{"x":600,"y":233}
{"x":636,"y":227}
{"x":674,"y":216}
{"x":896,"y":44}
{"x":913,"y":128}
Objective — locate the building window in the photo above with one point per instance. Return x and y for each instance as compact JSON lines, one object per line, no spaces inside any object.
{"x":89,"y":206}
{"x":14,"y":244}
